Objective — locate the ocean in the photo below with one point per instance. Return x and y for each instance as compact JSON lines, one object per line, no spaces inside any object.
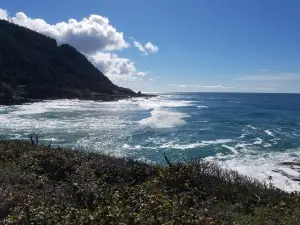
{"x":250,"y":133}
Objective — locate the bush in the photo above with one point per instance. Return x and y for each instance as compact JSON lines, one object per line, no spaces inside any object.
{"x":41,"y":185}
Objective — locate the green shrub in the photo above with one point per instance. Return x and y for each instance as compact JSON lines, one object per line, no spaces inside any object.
{"x":41,"y":185}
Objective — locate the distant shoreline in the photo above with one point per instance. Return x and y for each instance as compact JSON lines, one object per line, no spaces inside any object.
{"x":98,"y":97}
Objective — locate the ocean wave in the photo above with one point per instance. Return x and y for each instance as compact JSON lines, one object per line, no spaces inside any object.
{"x":243,"y":147}
{"x":161,"y":102}
{"x":181,"y":146}
{"x":163,"y":114}
{"x":232,"y":149}
{"x":242,"y":136}
{"x":173,"y":145}
{"x":202,"y":107}
{"x":164,"y":118}
{"x":239,"y":148}
{"x":258,"y":141}
{"x":136,"y":147}
{"x":267,"y":145}
{"x":268,"y":132}
{"x":253,"y":128}
{"x":218,"y":141}
{"x":52,"y":139}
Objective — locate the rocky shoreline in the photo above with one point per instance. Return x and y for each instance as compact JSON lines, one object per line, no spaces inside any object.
{"x":18,"y":100}
{"x":295,"y":166}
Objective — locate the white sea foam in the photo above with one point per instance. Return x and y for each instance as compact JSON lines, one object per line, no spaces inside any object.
{"x":218,"y":141}
{"x":180,"y":146}
{"x":232,"y":149}
{"x":258,"y":141}
{"x":164,"y":118}
{"x":52,"y":139}
{"x":202,"y":107}
{"x":127,"y":146}
{"x":268,"y":132}
{"x":242,"y":147}
{"x":261,"y":165}
{"x":194,"y":145}
{"x":253,"y":128}
{"x":267,"y":145}
{"x":163,"y":114}
{"x":107,"y":126}
{"x":242,"y":135}
{"x":239,"y":147}
{"x":161,"y":101}
{"x":67,"y":120}
{"x":234,"y":102}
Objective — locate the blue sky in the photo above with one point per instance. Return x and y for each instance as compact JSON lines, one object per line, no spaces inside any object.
{"x":234,"y":45}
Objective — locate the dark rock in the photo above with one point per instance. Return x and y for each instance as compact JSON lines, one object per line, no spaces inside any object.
{"x":287,"y":175}
{"x":4,"y":211}
{"x":290,"y":163}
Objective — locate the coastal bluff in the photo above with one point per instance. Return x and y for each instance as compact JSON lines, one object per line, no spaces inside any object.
{"x":34,"y":67}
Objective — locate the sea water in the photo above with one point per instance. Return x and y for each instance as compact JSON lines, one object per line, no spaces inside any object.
{"x":250,"y":133}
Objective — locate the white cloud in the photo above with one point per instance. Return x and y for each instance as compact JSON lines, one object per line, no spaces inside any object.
{"x":115,"y":68}
{"x":264,"y":88}
{"x":280,"y":77}
{"x":147,"y":48}
{"x":139,"y":46}
{"x":91,"y":34}
{"x":3,"y":14}
{"x":141,"y":74}
{"x":151,"y":47}
{"x":201,"y":86}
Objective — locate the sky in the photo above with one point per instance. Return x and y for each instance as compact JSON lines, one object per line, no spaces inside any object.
{"x":176,"y":46}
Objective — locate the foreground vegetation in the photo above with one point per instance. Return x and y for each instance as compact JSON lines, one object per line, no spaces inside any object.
{"x":42,"y":185}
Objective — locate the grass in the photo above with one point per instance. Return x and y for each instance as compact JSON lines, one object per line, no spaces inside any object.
{"x":41,"y":185}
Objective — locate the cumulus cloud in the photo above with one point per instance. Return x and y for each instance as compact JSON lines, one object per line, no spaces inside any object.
{"x":116,"y":68}
{"x":201,"y":86}
{"x":147,"y":48}
{"x":3,"y":14}
{"x":94,"y":36}
{"x":91,"y":34}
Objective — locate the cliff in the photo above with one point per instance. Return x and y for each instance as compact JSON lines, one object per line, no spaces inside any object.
{"x":33,"y":67}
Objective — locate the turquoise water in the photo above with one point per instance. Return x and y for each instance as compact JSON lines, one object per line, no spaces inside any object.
{"x":251,"y":133}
